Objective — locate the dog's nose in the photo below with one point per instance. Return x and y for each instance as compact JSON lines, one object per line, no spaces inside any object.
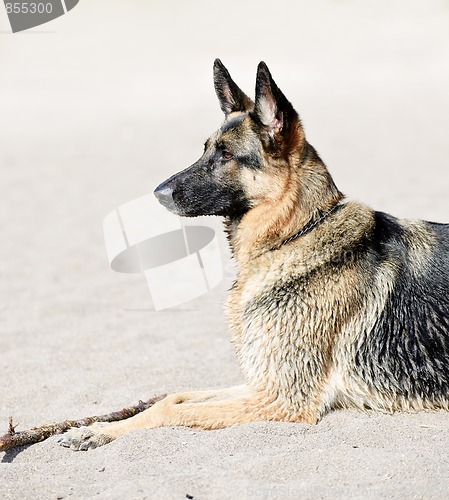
{"x":164,"y":195}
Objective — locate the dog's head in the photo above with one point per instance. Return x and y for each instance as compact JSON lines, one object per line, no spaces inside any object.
{"x":247,"y":162}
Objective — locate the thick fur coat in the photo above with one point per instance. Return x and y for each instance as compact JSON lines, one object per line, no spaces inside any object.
{"x":335,"y":305}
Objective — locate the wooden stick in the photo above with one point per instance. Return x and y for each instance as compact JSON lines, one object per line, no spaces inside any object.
{"x":12,"y":439}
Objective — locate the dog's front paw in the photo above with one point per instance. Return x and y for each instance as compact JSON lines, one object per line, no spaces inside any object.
{"x":86,"y":438}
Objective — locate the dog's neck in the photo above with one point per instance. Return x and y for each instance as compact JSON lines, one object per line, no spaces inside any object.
{"x":310,"y":192}
{"x":310,"y":226}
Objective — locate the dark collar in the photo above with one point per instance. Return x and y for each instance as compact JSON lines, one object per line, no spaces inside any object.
{"x":308,"y":227}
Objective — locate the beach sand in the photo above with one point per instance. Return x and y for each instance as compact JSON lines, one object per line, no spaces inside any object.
{"x":101,"y":105}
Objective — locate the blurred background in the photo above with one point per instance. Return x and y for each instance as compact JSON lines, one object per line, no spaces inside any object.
{"x":102,"y":104}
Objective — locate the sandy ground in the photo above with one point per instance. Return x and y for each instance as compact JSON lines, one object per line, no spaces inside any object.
{"x":101,"y":105}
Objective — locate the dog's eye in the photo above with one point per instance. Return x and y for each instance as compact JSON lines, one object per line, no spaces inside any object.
{"x":227,"y":155}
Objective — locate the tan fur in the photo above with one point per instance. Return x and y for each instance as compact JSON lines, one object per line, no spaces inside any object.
{"x":206,"y":410}
{"x":287,"y":195}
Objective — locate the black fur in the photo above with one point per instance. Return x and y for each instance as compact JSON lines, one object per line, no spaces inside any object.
{"x":198,"y":191}
{"x":407,"y":351}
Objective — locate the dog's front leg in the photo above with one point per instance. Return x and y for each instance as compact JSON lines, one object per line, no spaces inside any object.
{"x":203,"y":410}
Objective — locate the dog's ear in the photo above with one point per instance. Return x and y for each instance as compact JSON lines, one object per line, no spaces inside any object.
{"x":272,"y":108}
{"x":229,"y":94}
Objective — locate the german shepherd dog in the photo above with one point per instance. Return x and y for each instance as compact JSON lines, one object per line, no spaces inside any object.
{"x":334,"y":306}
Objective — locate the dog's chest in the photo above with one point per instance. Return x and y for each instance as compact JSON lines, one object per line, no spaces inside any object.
{"x":266,"y":315}
{"x":284,"y":324}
